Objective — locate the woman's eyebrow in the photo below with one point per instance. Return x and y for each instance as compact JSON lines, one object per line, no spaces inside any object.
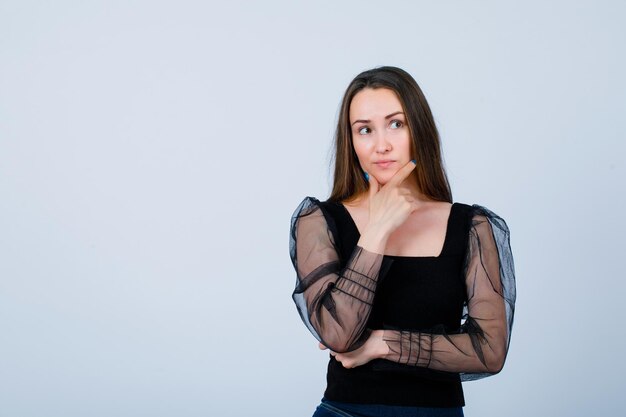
{"x":360,"y":121}
{"x":386,"y":117}
{"x":394,"y":114}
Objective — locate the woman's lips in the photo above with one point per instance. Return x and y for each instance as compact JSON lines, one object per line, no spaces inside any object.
{"x":384,"y":164}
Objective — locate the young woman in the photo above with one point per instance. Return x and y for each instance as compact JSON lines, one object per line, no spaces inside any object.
{"x":412,"y":294}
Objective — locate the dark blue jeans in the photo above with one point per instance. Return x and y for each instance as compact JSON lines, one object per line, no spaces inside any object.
{"x":336,"y":409}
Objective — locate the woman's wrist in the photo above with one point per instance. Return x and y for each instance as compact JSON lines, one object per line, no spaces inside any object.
{"x":374,"y":239}
{"x":382,"y":348}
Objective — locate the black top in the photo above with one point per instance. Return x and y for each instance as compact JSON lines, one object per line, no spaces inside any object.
{"x":423,"y":303}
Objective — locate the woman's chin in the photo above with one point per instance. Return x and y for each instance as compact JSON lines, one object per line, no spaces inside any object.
{"x":383,"y":179}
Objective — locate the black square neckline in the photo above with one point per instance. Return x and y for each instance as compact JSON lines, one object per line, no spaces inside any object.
{"x":445,"y":239}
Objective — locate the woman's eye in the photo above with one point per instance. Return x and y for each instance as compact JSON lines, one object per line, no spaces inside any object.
{"x":396,"y":124}
{"x":364,"y":130}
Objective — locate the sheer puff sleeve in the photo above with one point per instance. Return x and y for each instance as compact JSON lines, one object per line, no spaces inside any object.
{"x":334,"y":301}
{"x":481,"y":345}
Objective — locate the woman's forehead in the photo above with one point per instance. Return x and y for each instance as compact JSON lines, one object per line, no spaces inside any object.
{"x":373,"y":103}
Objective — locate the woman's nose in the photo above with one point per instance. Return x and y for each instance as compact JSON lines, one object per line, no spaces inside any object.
{"x":382,"y":144}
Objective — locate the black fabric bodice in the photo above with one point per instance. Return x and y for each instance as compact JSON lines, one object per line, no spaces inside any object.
{"x":415,"y":293}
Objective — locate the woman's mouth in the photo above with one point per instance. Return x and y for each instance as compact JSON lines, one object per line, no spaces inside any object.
{"x":384,"y":163}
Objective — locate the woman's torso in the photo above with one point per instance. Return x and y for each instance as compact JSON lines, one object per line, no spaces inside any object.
{"x":417,"y":293}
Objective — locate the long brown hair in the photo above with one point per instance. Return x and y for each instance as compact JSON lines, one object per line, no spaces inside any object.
{"x":429,"y":173}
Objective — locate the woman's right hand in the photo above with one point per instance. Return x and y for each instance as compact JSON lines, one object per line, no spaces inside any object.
{"x":389,"y":207}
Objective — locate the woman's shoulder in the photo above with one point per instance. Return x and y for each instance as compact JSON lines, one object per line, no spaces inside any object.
{"x":309,"y":204}
{"x":313,"y":214}
{"x":314,"y":207}
{"x":475,"y":209}
{"x":477,"y":214}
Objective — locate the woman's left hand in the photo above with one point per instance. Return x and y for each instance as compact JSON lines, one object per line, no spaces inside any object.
{"x":374,"y":348}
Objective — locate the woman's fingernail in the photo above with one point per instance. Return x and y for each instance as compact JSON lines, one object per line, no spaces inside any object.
{"x":367,"y":176}
{"x":413,"y":160}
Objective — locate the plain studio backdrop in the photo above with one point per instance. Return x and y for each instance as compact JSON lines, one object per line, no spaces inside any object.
{"x":152,"y":153}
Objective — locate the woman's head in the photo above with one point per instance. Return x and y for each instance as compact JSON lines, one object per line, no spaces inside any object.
{"x":384,"y":122}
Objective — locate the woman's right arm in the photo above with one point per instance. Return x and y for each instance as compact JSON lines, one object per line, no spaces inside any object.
{"x":333,"y":301}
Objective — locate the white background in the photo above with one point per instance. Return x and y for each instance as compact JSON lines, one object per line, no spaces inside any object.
{"x":152,"y":153}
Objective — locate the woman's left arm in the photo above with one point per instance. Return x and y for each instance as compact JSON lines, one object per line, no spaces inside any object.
{"x":480,"y":348}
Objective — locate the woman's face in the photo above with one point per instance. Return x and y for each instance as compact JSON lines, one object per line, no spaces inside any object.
{"x":380,"y":134}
